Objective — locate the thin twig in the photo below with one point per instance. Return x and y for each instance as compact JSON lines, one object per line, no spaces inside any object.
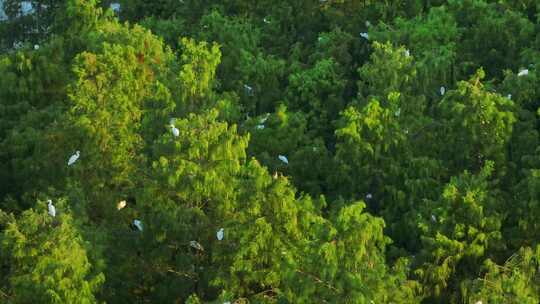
{"x":318,"y":280}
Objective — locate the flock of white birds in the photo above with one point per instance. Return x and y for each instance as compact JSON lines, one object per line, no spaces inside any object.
{"x":249,"y":90}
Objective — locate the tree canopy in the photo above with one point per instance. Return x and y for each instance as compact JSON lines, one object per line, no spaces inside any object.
{"x":340,"y":151}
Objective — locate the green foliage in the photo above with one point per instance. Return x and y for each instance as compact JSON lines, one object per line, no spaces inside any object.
{"x":477,"y":124}
{"x":46,"y":259}
{"x":514,"y":282}
{"x":463,"y":229}
{"x":410,"y":131}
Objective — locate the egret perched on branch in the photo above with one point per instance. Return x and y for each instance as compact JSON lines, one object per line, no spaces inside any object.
{"x":248,"y":89}
{"x":52,"y":210}
{"x":283,"y":159}
{"x":121,"y":205}
{"x":364,"y":35}
{"x":407,"y":53}
{"x":196,"y":245}
{"x":115,"y":7}
{"x":175,"y":131}
{"x":74,"y":158}
{"x":263,"y":120}
{"x":220,"y":234}
{"x":434,"y":218}
{"x":442,"y":90}
{"x":138,"y":225}
{"x":523,"y":72}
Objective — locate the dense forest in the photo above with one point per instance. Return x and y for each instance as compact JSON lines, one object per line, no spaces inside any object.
{"x":270,"y":151}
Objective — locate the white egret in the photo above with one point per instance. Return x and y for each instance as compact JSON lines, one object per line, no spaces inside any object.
{"x":175,"y":131}
{"x":523,"y":72}
{"x":248,"y":89}
{"x":52,"y":209}
{"x":74,"y":158}
{"x":138,"y":224}
{"x":17,"y":45}
{"x":283,"y":159}
{"x":369,"y":196}
{"x":26,"y":8}
{"x":220,"y":234}
{"x":434,"y":218}
{"x":196,"y":245}
{"x":259,"y":127}
{"x":263,"y":120}
{"x":364,"y":35}
{"x":115,"y":7}
{"x":407,"y":53}
{"x":121,"y":205}
{"x":509,"y":96}
{"x":36,"y":47}
{"x":442,"y":90}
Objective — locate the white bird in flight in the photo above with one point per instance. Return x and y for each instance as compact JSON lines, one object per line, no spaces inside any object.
{"x":283,"y":159}
{"x":175,"y":131}
{"x":442,"y":90}
{"x":364,"y":35}
{"x":523,"y":72}
{"x":138,"y":224}
{"x":196,"y":245}
{"x":121,"y":205}
{"x":74,"y":158}
{"x":52,"y":209}
{"x":220,"y":234}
